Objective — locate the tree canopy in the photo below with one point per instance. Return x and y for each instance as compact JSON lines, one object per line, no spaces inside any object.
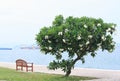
{"x":76,"y":36}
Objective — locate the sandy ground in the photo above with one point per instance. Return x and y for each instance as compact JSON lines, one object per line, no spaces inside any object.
{"x":103,"y":75}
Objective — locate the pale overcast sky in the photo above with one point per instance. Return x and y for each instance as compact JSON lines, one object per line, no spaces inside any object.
{"x":20,"y":20}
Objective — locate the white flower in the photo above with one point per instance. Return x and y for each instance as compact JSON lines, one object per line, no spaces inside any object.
{"x":110,"y":50}
{"x":103,"y":38}
{"x":87,"y":42}
{"x":66,"y":30}
{"x":46,"y":37}
{"x":99,"y":44}
{"x":80,"y":45}
{"x":108,"y":33}
{"x":109,"y":29}
{"x":78,"y":37}
{"x":98,"y":24}
{"x":50,"y":48}
{"x":60,"y":33}
{"x":49,"y":41}
{"x":90,"y":36}
{"x":69,"y":48}
{"x":81,"y":48}
{"x":113,"y":26}
{"x":85,"y":26}
{"x":61,"y":49}
{"x":113,"y":43}
{"x":64,"y":40}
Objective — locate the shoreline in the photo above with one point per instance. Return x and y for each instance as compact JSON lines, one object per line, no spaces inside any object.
{"x":102,"y":74}
{"x":74,"y":67}
{"x":97,"y":69}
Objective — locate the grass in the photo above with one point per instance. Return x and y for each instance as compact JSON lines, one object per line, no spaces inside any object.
{"x":12,"y":75}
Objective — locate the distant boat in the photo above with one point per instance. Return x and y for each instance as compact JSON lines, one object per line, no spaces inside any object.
{"x":5,"y":48}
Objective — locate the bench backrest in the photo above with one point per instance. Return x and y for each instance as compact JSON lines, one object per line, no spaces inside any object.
{"x":21,"y":62}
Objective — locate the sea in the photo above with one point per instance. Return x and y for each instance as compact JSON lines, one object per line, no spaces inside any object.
{"x":103,"y":59}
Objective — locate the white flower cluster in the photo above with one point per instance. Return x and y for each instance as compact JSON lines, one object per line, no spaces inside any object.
{"x":113,"y":43}
{"x":60,"y":33}
{"x":64,"y":40}
{"x":46,"y":37}
{"x":103,"y":38}
{"x":85,"y":26}
{"x":90,"y":36}
{"x":50,"y":48}
{"x":99,"y":45}
{"x":66,"y":30}
{"x":69,"y":48}
{"x":108,"y":30}
{"x":87,"y":42}
{"x":80,"y":45}
{"x":81,"y":48}
{"x":113,"y":26}
{"x":110,"y":50}
{"x":78,"y":37}
{"x":61,"y":50}
{"x":98,"y":24}
{"x":49,"y":41}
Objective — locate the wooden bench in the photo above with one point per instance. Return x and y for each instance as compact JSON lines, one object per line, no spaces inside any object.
{"x":20,"y":64}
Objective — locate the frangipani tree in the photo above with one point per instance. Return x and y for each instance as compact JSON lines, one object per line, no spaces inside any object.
{"x":76,"y":36}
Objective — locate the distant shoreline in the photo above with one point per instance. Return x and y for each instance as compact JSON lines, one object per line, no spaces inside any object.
{"x":5,"y":48}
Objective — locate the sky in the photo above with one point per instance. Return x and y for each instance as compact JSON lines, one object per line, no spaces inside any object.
{"x":21,"y":20}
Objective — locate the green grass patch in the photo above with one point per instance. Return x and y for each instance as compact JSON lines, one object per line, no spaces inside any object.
{"x":13,"y":75}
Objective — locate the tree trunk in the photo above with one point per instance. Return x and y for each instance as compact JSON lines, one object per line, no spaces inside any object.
{"x":70,"y":67}
{"x":68,"y":72}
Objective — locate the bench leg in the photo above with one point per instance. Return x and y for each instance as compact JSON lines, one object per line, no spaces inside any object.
{"x":21,"y":68}
{"x":31,"y":68}
{"x":16,"y":67}
{"x":27,"y":69}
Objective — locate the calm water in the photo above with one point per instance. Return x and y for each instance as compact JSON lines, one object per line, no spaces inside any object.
{"x":103,"y":60}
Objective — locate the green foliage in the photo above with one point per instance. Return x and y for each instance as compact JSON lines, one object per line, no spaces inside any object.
{"x":76,"y":36}
{"x":64,"y":65}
